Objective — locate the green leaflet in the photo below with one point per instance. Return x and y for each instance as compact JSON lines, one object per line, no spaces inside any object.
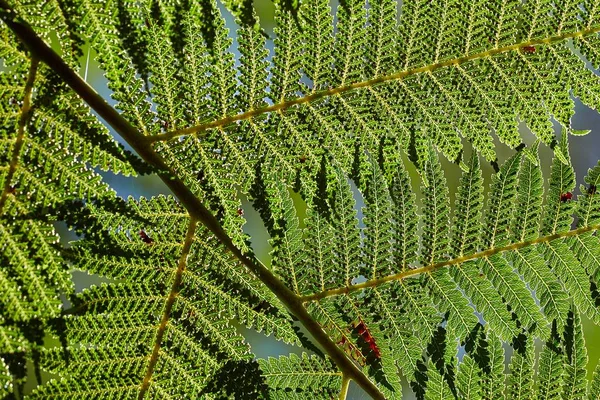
{"x":378,"y":231}
{"x":574,"y":374}
{"x":468,"y":379}
{"x":310,"y":375}
{"x":435,"y":244}
{"x":520,"y":381}
{"x":551,"y":363}
{"x":595,"y":388}
{"x":437,"y":387}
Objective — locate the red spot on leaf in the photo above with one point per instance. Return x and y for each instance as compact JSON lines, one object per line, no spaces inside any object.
{"x":528,"y":49}
{"x":566,"y":196}
{"x":145,"y":238}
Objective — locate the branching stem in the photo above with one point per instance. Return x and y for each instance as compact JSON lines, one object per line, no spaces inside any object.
{"x":448,"y":263}
{"x":175,"y":287}
{"x":140,"y":143}
{"x":366,"y":84}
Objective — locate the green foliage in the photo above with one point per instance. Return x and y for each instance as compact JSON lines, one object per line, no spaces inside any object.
{"x":339,"y":115}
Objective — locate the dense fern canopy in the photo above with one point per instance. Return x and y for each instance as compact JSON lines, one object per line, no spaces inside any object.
{"x":331,"y":125}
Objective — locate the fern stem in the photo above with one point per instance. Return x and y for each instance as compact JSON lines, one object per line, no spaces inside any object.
{"x":22,"y":124}
{"x":186,"y":197}
{"x":436,"y":266}
{"x":366,"y":84}
{"x":345,"y":386}
{"x":162,"y":327}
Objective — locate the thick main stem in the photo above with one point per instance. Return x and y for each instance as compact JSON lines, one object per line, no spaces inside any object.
{"x":194,"y":206}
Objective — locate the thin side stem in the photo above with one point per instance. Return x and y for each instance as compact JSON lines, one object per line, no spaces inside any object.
{"x":186,"y":197}
{"x":345,"y":386}
{"x":162,"y":327}
{"x":366,"y":84}
{"x":22,"y":125}
{"x":455,"y":261}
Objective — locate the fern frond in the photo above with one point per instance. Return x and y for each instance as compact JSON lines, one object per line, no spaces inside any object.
{"x":466,"y":233}
{"x":378,"y":230}
{"x":435,"y":245}
{"x":345,"y":223}
{"x":286,"y":239}
{"x":587,"y":247}
{"x":574,"y":375}
{"x":550,"y":367}
{"x":166,"y":89}
{"x":594,"y":391}
{"x":304,"y":375}
{"x":403,"y":216}
{"x":437,"y":387}
{"x":53,"y":18}
{"x":400,"y":348}
{"x":468,"y":379}
{"x":520,"y":380}
{"x":159,"y":330}
{"x":318,"y":253}
{"x":98,"y":25}
{"x":492,"y":363}
{"x":318,"y":42}
{"x":287,"y":59}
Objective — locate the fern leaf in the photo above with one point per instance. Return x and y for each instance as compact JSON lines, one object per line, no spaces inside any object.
{"x":286,"y":238}
{"x":558,"y":213}
{"x":72,"y":389}
{"x":318,"y":245}
{"x":501,"y":203}
{"x":586,"y":246}
{"x":345,"y":222}
{"x":393,"y":334}
{"x":466,"y":227}
{"x":349,"y":42}
{"x":525,"y":224}
{"x":553,"y":299}
{"x":594,"y":391}
{"x":492,"y":363}
{"x":210,"y":270}
{"x":194,"y":76}
{"x":318,"y":41}
{"x":468,"y":379}
{"x":466,"y":233}
{"x":253,"y":69}
{"x":437,"y":387}
{"x":305,"y":374}
{"x":562,"y":260}
{"x":436,"y":214}
{"x":166,"y":88}
{"x":520,"y":380}
{"x":6,"y":385}
{"x":287,"y":59}
{"x":574,"y":375}
{"x":382,"y":33}
{"x":377,"y":243}
{"x":550,"y":367}
{"x":99,"y":27}
{"x":435,"y":245}
{"x":417,"y":308}
{"x":404,"y":218}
